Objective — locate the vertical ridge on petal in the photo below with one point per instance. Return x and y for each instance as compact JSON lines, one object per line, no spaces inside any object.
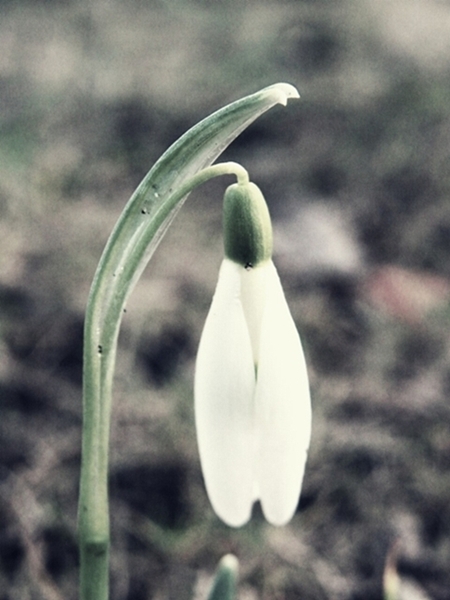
{"x":253,"y":295}
{"x":224,"y":402}
{"x":283,"y":407}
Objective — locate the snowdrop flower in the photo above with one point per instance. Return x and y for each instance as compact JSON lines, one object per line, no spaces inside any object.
{"x":252,"y":403}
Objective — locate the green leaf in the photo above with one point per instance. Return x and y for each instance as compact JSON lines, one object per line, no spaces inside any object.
{"x":156,"y":201}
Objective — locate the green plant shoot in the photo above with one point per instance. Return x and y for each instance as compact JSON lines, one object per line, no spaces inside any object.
{"x":144,"y":221}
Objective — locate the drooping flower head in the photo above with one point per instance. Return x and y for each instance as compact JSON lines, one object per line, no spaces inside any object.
{"x":252,"y":402}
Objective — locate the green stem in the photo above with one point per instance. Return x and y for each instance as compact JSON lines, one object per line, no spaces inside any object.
{"x":115,"y":278}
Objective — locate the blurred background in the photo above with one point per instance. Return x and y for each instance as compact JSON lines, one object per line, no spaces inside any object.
{"x":357,"y":178}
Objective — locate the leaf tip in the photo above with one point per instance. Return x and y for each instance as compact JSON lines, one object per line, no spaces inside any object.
{"x":283,"y":92}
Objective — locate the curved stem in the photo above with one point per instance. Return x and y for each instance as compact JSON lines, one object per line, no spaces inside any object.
{"x":112,"y":285}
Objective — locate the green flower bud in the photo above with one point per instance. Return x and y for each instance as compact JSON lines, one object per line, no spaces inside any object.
{"x":247,"y":228}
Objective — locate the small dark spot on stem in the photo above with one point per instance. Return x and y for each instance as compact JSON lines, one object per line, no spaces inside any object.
{"x":100,"y":349}
{"x":248,"y":266}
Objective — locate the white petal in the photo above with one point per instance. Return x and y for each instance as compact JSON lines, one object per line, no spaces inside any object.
{"x":253,"y":293}
{"x":224,"y":402}
{"x":283,"y":408}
